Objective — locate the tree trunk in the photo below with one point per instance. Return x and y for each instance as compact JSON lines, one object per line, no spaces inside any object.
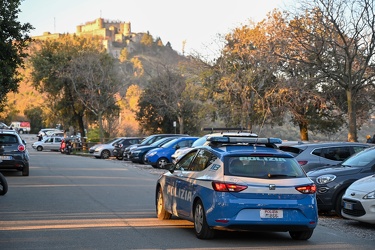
{"x":352,"y":117}
{"x":100,"y":123}
{"x":181,"y":123}
{"x":304,"y":133}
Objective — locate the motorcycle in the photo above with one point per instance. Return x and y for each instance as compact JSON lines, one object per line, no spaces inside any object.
{"x":3,"y":185}
{"x":68,"y":147}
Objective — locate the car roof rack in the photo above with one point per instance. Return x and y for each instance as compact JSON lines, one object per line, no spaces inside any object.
{"x":218,"y":141}
{"x":228,"y":131}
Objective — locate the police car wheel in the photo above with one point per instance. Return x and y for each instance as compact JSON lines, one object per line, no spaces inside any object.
{"x":202,"y":230}
{"x":39,"y":148}
{"x":161,"y":213}
{"x":301,"y":235}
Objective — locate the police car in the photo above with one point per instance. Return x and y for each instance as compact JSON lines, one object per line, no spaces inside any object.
{"x":239,"y":183}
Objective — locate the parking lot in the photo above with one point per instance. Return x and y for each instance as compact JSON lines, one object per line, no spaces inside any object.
{"x":360,"y":230}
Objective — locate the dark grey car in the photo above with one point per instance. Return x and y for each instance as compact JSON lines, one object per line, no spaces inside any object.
{"x":312,"y":156}
{"x":13,"y":152}
{"x":332,"y":182}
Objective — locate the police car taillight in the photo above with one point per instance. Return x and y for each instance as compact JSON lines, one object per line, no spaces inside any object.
{"x":227,"y":187}
{"x":308,"y":189}
{"x":21,"y":148}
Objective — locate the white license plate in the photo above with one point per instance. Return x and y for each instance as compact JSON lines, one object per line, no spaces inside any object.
{"x":271,"y":213}
{"x":348,"y":205}
{"x":5,"y":157}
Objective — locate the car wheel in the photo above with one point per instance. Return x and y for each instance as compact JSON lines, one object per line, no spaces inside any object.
{"x":105,"y":154}
{"x":338,"y":203}
{"x":202,"y":230}
{"x":25,"y":171}
{"x":3,"y":185}
{"x":39,"y":148}
{"x":142,"y":159}
{"x":161,"y":162}
{"x":301,"y":235}
{"x":161,"y":213}
{"x":119,"y":158}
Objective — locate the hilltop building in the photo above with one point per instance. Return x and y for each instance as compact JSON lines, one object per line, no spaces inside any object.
{"x":116,"y":34}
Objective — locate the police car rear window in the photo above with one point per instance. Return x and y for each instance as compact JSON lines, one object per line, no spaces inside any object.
{"x":263,"y":167}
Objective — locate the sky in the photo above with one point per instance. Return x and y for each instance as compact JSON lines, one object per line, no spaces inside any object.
{"x":196,"y":23}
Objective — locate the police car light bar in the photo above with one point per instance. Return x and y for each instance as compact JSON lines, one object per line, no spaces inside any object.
{"x":251,"y":140}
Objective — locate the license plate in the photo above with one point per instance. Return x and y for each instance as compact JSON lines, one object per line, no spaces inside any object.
{"x":348,"y":206}
{"x":271,"y":213}
{"x":5,"y":157}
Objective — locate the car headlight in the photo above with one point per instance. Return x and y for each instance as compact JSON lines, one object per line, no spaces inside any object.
{"x":135,"y":151}
{"x":152,"y":154}
{"x":324,"y":179}
{"x":370,"y":195}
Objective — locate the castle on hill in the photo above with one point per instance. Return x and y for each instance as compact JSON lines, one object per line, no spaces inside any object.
{"x":116,"y":35}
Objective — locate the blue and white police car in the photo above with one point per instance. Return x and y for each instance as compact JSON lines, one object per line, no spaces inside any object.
{"x":239,"y":183}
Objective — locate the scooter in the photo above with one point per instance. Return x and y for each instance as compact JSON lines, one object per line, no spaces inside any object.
{"x":3,"y":185}
{"x":68,"y":147}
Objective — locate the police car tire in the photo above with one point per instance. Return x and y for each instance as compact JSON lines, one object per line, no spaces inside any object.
{"x":202,"y":230}
{"x":3,"y":184}
{"x":161,"y":213}
{"x":301,"y":235}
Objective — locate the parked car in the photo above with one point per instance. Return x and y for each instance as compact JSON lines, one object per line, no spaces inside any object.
{"x":147,"y":141}
{"x":120,"y":146}
{"x":48,"y":143}
{"x":316,"y":155}
{"x":13,"y":152}
{"x":137,"y":154}
{"x":240,"y":184}
{"x":358,"y":202}
{"x":105,"y":150}
{"x":332,"y":182}
{"x":158,"y":157}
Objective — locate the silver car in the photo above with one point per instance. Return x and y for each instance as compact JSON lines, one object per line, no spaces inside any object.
{"x":325,"y":154}
{"x":49,"y":143}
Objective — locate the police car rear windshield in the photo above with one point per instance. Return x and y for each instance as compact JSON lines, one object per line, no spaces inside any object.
{"x":266,"y":167}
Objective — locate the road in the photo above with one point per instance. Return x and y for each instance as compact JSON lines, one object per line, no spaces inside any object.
{"x":75,"y":202}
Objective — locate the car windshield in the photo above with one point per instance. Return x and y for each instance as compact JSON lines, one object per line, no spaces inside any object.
{"x":170,"y":143}
{"x":111,"y":141}
{"x":361,"y":159}
{"x":263,"y":167}
{"x":8,"y":138}
{"x":161,"y":141}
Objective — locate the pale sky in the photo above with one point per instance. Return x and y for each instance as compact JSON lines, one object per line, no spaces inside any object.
{"x":198,"y":22}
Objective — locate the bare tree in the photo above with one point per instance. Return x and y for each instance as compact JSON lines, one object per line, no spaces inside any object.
{"x":95,"y":80}
{"x":336,"y":38}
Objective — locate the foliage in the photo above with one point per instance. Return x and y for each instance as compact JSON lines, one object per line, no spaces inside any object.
{"x":13,"y":41}
{"x":34,"y":114}
{"x":50,"y":61}
{"x":337,"y":40}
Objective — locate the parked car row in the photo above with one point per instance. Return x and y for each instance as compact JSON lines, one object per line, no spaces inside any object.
{"x":333,"y":167}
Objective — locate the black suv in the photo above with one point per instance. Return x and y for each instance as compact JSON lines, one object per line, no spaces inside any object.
{"x":120,"y":146}
{"x":13,"y":152}
{"x":147,"y":141}
{"x":332,"y":182}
